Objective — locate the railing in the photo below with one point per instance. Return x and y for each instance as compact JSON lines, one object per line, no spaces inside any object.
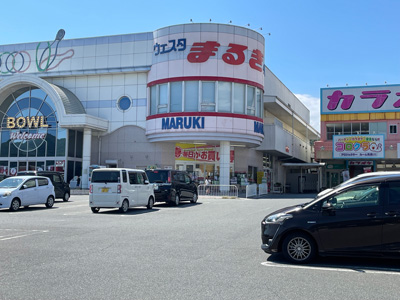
{"x":216,"y":190}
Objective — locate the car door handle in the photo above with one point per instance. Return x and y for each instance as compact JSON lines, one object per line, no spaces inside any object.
{"x":392,"y":213}
{"x":371,"y":214}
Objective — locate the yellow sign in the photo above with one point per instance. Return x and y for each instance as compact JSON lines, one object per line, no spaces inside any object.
{"x":22,"y":122}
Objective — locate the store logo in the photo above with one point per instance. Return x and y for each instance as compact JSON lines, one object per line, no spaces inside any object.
{"x":30,"y":122}
{"x":183,"y":123}
{"x":258,"y":127}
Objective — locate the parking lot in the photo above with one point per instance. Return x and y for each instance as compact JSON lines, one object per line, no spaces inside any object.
{"x":208,"y":250}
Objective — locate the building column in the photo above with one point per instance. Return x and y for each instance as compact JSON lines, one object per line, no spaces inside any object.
{"x":224,"y":162}
{"x":87,"y":147}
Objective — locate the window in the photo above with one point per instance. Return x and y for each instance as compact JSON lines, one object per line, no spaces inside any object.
{"x":140,"y":178}
{"x":238,"y":98}
{"x":392,"y":129}
{"x":191,"y":96}
{"x":208,"y":96}
{"x":362,"y":196}
{"x":176,"y":96}
{"x":259,"y":104}
{"x":224,"y":96}
{"x":153,"y":100}
{"x":250,"y":101}
{"x":42,"y":182}
{"x":124,"y":177}
{"x":132,"y":178}
{"x":124,"y":103}
{"x":30,"y":183}
{"x":163,"y":104}
{"x":57,"y":179}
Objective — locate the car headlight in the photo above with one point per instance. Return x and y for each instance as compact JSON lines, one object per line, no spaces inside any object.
{"x":278,"y":218}
{"x":6,"y":194}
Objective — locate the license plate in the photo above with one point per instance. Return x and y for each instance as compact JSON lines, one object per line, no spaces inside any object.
{"x":105,"y":190}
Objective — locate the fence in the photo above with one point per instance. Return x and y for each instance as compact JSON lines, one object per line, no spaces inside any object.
{"x":216,"y":190}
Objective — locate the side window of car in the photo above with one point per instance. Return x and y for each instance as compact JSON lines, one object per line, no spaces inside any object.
{"x":31,"y":183}
{"x":394,"y":193}
{"x":56,"y":178}
{"x":42,"y":182}
{"x":187,"y":179}
{"x":140,"y":178}
{"x":124,"y":177}
{"x":361,"y":196}
{"x":132,"y":178}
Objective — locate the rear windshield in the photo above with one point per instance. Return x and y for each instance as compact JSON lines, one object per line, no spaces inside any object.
{"x":106,"y":176}
{"x":157,"y":176}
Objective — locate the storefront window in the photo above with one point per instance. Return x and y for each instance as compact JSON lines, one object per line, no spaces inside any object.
{"x":163,"y":104}
{"x":224,"y":96}
{"x":238,"y":99}
{"x":71,"y":143}
{"x":216,"y":96}
{"x":208,"y":96}
{"x":191,"y":95}
{"x":176,"y":96}
{"x":250,"y":101}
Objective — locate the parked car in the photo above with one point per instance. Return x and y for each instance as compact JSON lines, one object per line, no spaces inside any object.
{"x":120,"y":188}
{"x":25,"y":191}
{"x":172,"y":186}
{"x":361,"y":218}
{"x":61,"y":188}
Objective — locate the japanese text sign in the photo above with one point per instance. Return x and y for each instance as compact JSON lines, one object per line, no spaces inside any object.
{"x":359,"y":146}
{"x":360,"y":99}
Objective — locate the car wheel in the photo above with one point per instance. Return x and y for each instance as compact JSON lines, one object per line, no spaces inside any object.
{"x":150,"y":204}
{"x":194,"y":199}
{"x":298,"y":248}
{"x":15,"y":204}
{"x":95,"y":210}
{"x":50,"y":202}
{"x":177,"y":199}
{"x":66,"y":197}
{"x":125,"y":206}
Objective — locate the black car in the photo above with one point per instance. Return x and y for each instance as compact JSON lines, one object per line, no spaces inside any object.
{"x":172,"y":186}
{"x":361,"y":218}
{"x":61,"y":188}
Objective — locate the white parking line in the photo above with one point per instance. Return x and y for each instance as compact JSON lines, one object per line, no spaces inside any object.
{"x":17,"y":233}
{"x":353,"y":269}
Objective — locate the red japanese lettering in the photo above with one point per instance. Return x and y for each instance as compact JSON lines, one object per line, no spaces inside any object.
{"x":239,"y":56}
{"x":201,"y":52}
{"x":256,"y":60}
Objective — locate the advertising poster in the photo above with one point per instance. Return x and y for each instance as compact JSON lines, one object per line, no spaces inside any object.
{"x":203,"y":153}
{"x":359,"y":146}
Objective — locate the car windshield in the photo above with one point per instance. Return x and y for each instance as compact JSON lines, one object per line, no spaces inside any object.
{"x":11,"y":182}
{"x":105,"y":176}
{"x":157,"y":176}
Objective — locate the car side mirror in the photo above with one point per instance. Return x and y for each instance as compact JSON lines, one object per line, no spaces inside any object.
{"x":146,"y":182}
{"x":327,"y":206}
{"x":24,"y":187}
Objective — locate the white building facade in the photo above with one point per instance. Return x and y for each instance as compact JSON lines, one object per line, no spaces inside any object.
{"x":196,"y":97}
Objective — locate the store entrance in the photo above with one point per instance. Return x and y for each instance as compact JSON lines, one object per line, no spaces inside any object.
{"x":11,"y":168}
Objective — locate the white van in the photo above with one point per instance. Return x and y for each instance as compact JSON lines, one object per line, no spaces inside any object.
{"x":120,"y":188}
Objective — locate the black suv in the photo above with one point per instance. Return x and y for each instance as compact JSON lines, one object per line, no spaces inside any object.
{"x":356,"y":218}
{"x":61,"y":188}
{"x":172,"y":186}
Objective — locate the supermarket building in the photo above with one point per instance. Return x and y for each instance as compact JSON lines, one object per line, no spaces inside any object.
{"x":196,"y":97}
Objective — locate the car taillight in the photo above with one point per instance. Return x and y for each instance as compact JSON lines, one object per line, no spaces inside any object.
{"x":119,"y":189}
{"x":91,"y":189}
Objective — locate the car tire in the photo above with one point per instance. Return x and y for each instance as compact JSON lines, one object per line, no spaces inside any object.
{"x":299,"y":248}
{"x":95,"y":210}
{"x":50,"y":202}
{"x":66,"y":197}
{"x":150,"y":204}
{"x":177,"y":199}
{"x":124,"y":207}
{"x":15,"y":204}
{"x":194,"y":199}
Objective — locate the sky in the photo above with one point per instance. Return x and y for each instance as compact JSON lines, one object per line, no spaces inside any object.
{"x":309,"y":44}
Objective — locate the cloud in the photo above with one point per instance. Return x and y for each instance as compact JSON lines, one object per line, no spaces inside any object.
{"x":313,"y":104}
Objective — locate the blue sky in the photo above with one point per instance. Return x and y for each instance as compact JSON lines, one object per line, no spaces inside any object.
{"x":313,"y":43}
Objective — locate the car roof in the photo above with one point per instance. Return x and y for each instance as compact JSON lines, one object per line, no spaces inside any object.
{"x":116,"y":169}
